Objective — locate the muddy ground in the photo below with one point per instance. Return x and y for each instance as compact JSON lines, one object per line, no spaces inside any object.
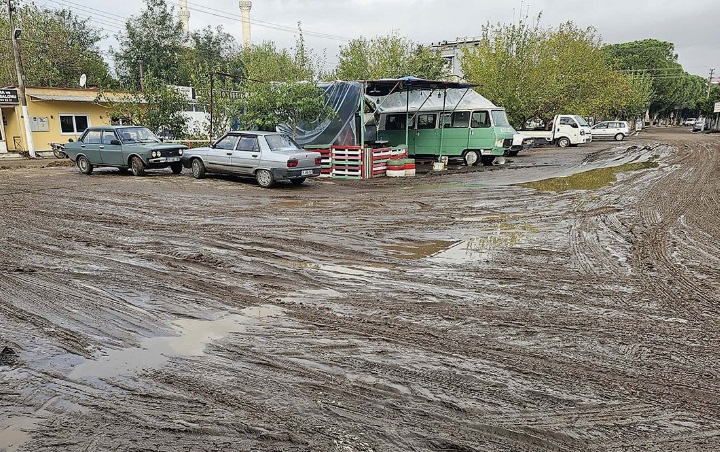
{"x":447,"y":312}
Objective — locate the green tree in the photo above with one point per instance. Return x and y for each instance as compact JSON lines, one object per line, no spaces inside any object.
{"x":673,"y":90}
{"x":537,"y":73}
{"x":159,"y":107}
{"x":388,"y":56}
{"x":56,"y":48}
{"x":153,"y":39}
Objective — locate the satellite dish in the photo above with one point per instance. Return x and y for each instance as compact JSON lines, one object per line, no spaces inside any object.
{"x":83,"y":81}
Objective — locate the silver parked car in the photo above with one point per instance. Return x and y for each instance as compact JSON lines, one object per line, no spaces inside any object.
{"x":267,"y":156}
{"x":616,"y":130}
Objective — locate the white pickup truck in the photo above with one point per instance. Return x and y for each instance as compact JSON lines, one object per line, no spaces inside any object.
{"x":567,"y":130}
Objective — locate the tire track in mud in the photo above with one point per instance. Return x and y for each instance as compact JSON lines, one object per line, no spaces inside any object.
{"x":546,"y":342}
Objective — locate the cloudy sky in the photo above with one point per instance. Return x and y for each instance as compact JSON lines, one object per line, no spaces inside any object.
{"x":691,"y":25}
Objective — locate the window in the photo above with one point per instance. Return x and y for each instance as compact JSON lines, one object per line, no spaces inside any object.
{"x":500,"y":118}
{"x":108,"y":136}
{"x":461,"y":119}
{"x":73,"y":123}
{"x":277,"y":142}
{"x":396,"y":122}
{"x":602,"y":125}
{"x":480,"y":120}
{"x":426,"y":121}
{"x":566,"y":121}
{"x":93,"y":137}
{"x":247,"y":144}
{"x":228,"y":142}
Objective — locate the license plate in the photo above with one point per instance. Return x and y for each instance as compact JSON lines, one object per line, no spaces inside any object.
{"x":173,"y":159}
{"x":307,"y":172}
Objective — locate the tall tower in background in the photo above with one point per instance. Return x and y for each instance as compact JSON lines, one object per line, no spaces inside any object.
{"x":184,"y":16}
{"x":245,"y":6}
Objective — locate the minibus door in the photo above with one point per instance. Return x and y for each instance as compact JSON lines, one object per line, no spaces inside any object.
{"x":482,"y":135}
{"x":427,"y":137}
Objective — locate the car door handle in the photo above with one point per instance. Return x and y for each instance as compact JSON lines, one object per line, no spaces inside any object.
{"x":82,"y":145}
{"x":228,"y":153}
{"x":254,"y":155}
{"x":101,"y":147}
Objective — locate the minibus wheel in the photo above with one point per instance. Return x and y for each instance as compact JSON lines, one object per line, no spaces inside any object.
{"x":471,"y":158}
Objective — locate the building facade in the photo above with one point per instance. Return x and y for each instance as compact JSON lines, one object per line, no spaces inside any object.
{"x":452,"y":53}
{"x":56,"y":115}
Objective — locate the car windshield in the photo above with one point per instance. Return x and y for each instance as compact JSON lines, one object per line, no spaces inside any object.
{"x":281,"y":142}
{"x":581,"y":121}
{"x":137,"y":135}
{"x":500,"y":118}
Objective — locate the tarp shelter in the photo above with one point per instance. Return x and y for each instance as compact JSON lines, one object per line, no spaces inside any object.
{"x":347,"y":100}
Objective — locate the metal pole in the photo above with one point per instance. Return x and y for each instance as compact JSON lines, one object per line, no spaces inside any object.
{"x":212,"y":84}
{"x":14,"y":36}
{"x":712,"y":71}
{"x":407,"y":126}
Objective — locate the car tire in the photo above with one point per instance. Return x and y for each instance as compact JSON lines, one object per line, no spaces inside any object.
{"x":563,"y":142}
{"x":264,"y":178}
{"x":176,"y":168}
{"x":619,"y":137}
{"x":83,"y":163}
{"x":198,"y":168}
{"x":298,"y":181}
{"x":137,"y":166}
{"x":471,"y":158}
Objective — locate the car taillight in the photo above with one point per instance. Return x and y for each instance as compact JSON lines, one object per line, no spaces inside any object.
{"x":292,"y":163}
{"x":318,"y":160}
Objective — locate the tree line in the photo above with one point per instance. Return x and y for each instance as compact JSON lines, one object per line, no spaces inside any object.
{"x":532,"y":71}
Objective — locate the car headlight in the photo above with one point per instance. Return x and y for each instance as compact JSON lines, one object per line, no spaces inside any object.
{"x":499,"y":143}
{"x":180,"y":152}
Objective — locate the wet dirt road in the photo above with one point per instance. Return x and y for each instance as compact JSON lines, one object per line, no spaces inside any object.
{"x":446,"y":312}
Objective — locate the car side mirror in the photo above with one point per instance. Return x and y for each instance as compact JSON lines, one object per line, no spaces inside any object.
{"x":574,"y":125}
{"x":70,"y":140}
{"x":115,"y":142}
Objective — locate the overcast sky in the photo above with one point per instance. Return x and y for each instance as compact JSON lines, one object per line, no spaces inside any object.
{"x":691,"y":25}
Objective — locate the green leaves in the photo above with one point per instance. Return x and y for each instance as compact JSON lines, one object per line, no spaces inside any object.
{"x":389,"y":56}
{"x":537,"y":73}
{"x":56,"y":48}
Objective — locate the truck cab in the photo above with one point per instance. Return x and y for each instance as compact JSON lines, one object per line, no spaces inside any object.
{"x":565,"y":130}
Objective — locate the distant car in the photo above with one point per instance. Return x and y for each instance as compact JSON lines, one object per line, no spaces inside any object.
{"x":616,"y":130}
{"x":520,"y":142}
{"x":124,"y":147}
{"x":689,"y":122}
{"x":267,"y":156}
{"x":699,"y":125}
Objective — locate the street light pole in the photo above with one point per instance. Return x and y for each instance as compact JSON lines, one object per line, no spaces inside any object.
{"x":14,"y":36}
{"x":712,"y":71}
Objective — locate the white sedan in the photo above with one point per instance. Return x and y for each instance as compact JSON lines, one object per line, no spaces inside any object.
{"x":616,"y":130}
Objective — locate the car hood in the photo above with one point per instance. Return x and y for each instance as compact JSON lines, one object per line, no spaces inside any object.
{"x":156,"y":146}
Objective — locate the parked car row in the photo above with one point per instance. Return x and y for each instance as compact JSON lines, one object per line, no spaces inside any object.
{"x":267,"y":156}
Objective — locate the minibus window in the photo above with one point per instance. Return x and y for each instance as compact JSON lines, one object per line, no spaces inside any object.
{"x":500,"y":118}
{"x":426,"y":121}
{"x":480,"y":120}
{"x":461,"y":119}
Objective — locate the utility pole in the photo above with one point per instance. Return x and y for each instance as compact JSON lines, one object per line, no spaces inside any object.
{"x":712,"y":71}
{"x":14,"y":36}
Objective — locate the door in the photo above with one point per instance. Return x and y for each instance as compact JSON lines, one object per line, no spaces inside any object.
{"x":111,"y":154}
{"x":392,"y":130}
{"x":426,"y":140}
{"x":569,"y":128}
{"x":219,"y":156}
{"x":600,"y":130}
{"x":3,"y":143}
{"x":455,"y":133}
{"x":482,"y":135}
{"x":246,"y":157}
{"x":90,"y":146}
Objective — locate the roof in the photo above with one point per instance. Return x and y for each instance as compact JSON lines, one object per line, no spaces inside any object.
{"x":386,"y":86}
{"x":253,"y":132}
{"x":80,"y":98}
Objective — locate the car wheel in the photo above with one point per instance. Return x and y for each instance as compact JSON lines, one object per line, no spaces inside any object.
{"x":264,"y":178}
{"x":137,"y":166}
{"x":176,"y":168}
{"x":619,"y":137}
{"x":298,"y":181}
{"x":198,"y":168}
{"x":84,"y":164}
{"x":471,"y":158}
{"x":563,"y":142}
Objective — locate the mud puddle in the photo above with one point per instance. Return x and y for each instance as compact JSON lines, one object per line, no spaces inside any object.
{"x":190,"y":339}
